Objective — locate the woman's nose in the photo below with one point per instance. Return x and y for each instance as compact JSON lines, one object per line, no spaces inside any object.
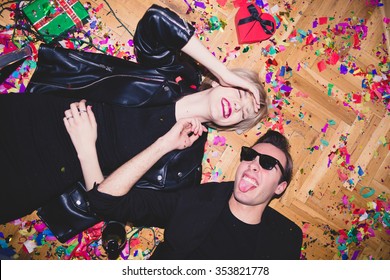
{"x":237,"y":106}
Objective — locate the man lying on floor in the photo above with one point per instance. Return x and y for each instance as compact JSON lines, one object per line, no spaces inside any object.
{"x":228,"y":220}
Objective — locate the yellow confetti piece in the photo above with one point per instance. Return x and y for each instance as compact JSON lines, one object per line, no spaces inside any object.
{"x":367,"y":97}
{"x":382,"y":139}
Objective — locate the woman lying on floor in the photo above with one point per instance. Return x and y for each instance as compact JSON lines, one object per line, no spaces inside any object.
{"x":133,"y":103}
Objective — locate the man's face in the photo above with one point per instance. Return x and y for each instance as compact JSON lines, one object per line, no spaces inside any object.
{"x":255,"y":185}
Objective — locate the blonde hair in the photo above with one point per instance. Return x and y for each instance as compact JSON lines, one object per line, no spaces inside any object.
{"x":246,"y":124}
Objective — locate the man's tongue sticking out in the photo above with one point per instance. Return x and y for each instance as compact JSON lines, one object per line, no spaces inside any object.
{"x":247,"y":184}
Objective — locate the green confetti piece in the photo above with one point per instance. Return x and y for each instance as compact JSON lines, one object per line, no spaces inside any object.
{"x":330,"y":87}
{"x":324,"y":142}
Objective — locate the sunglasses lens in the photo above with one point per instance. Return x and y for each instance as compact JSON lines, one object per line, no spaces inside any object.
{"x":267,"y":162}
{"x":247,"y":154}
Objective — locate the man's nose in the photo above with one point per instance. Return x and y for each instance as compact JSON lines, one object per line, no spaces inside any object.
{"x":255,"y":164}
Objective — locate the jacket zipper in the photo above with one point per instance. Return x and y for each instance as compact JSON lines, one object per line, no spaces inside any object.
{"x":107,"y":68}
{"x":110,"y":69}
{"x":82,"y":60}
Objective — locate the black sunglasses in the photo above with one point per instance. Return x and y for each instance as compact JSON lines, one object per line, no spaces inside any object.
{"x":265,"y":161}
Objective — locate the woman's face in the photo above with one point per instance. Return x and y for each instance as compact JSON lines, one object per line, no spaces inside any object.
{"x":229,"y":106}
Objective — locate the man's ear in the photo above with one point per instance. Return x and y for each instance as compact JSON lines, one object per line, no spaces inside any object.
{"x":280,"y":188}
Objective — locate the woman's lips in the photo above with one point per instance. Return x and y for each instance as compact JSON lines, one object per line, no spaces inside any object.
{"x":226,"y":108}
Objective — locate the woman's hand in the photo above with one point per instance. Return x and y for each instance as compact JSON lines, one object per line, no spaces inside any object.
{"x":81,"y":125}
{"x":183,"y":134}
{"x":231,"y":79}
{"x":200,"y":53}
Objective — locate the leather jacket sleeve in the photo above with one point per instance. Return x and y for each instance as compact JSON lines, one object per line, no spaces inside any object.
{"x":160,"y":34}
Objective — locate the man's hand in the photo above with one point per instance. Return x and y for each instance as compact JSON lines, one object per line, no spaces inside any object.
{"x":180,"y":136}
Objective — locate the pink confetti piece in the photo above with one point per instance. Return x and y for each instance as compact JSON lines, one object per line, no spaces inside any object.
{"x":302,"y":94}
{"x":323,"y":20}
{"x":219,"y":140}
{"x":321,"y":65}
{"x":345,"y":200}
{"x":323,"y":130}
{"x":334,"y":58}
{"x":239,"y":3}
{"x":342,"y":176}
{"x":222,"y":3}
{"x":39,"y":227}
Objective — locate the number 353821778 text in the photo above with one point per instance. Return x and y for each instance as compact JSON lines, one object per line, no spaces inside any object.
{"x":242,"y":270}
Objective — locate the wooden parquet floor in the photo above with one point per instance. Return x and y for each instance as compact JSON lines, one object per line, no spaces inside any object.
{"x":326,"y":71}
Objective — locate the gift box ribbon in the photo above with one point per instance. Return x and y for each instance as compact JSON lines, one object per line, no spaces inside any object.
{"x":255,"y":16}
{"x":65,"y":6}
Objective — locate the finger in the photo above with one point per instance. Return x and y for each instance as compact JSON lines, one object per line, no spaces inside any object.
{"x":199,"y":129}
{"x":91,"y":115}
{"x":256,"y":106}
{"x":68,"y":114}
{"x":74,"y":110}
{"x":82,"y":107}
{"x":198,"y":126}
{"x":192,"y":139}
{"x":67,"y":124}
{"x":257,"y":99}
{"x":195,"y":126}
{"x":202,"y":129}
{"x":254,"y":90}
{"x":256,"y":103}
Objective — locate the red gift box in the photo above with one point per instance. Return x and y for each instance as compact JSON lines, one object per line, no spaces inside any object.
{"x":253,"y":25}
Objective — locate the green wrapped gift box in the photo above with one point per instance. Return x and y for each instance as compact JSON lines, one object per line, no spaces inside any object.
{"x":52,"y":18}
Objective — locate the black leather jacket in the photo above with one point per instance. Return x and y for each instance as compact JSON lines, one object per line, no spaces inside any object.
{"x":158,"y":39}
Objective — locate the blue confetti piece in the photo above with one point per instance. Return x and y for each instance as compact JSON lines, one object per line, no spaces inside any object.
{"x":343,"y":69}
{"x":282,"y":71}
{"x":360,"y":171}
